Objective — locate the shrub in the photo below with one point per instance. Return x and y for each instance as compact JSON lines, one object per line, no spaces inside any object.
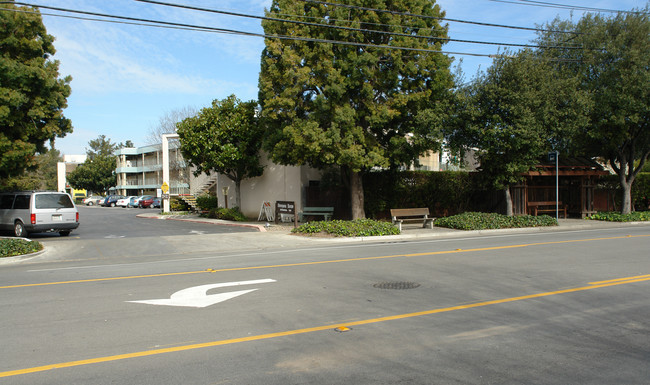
{"x":356,"y":228}
{"x":12,"y":247}
{"x":207,"y":202}
{"x":483,"y":221}
{"x":233,"y":214}
{"x":177,"y":204}
{"x":637,"y":216}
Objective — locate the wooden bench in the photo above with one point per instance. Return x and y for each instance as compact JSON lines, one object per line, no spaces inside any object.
{"x":411,"y":215}
{"x":546,"y":207}
{"x":326,"y":212}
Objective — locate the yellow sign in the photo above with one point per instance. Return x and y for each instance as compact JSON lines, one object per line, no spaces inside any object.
{"x":164,"y":187}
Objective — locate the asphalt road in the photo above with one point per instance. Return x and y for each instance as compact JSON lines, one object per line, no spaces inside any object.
{"x":545,"y":308}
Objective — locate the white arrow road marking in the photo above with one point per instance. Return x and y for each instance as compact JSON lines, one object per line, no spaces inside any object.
{"x":197,"y":296}
{"x":197,"y":232}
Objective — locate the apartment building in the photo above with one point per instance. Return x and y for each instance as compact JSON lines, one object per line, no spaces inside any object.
{"x":139,"y":170}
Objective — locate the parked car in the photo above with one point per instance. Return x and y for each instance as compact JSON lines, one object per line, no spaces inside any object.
{"x":111,"y":200}
{"x":133,"y":202}
{"x":146,"y":201}
{"x":124,"y":202}
{"x":138,"y":199}
{"x":27,"y":212}
{"x":92,"y":200}
{"x":156,"y":203}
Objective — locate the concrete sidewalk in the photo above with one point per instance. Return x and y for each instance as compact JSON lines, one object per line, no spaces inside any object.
{"x":280,"y":234}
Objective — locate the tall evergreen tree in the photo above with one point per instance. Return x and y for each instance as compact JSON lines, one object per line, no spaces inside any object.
{"x":32,"y":96}
{"x":358,"y":106}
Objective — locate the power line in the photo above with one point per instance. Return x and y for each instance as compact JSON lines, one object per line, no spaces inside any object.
{"x":106,"y":20}
{"x":331,"y":26}
{"x":431,"y":17}
{"x":172,"y":25}
{"x":564,"y":6}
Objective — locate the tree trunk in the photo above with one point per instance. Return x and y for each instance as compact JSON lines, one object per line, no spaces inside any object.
{"x":626,"y":188}
{"x":509,"y":211}
{"x":626,"y":175}
{"x":238,"y":194}
{"x":356,"y":195}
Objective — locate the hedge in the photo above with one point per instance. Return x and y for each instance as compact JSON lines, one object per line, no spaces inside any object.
{"x":484,"y":221}
{"x":355,"y":228}
{"x":444,"y":193}
{"x":453,"y":192}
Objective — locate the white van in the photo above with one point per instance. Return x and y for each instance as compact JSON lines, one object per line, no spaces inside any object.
{"x":27,"y":212}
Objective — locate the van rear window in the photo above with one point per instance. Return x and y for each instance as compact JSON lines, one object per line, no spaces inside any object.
{"x":53,"y":201}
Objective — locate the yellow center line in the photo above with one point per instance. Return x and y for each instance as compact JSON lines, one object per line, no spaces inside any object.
{"x":147,"y":353}
{"x":326,"y":262}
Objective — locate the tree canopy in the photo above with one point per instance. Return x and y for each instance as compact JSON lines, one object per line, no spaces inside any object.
{"x":377,"y":102}
{"x":97,"y":173}
{"x":32,"y":96}
{"x":613,"y":67}
{"x":225,"y":138}
{"x":515,"y":113}
{"x":43,"y":177}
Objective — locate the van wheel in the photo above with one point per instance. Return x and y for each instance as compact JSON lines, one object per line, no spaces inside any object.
{"x":64,"y":233}
{"x":19,"y":229}
{"x":112,"y":204}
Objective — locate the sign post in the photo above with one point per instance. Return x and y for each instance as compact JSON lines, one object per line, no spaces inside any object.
{"x":553,"y":156}
{"x":165,"y":196}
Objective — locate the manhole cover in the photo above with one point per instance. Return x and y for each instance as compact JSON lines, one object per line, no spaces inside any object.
{"x":396,"y":285}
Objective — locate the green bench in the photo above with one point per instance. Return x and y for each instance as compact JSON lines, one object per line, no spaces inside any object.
{"x":326,"y":212}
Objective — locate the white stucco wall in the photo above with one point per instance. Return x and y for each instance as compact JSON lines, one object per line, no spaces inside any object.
{"x":278,"y":183}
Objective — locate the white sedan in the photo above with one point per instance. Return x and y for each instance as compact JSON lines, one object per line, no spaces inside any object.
{"x":92,"y":200}
{"x":124,"y":202}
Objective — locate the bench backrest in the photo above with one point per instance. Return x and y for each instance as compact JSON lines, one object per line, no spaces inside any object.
{"x":409,"y":212}
{"x":317,"y":209}
{"x":544,"y":203}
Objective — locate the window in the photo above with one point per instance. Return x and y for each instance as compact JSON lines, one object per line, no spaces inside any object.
{"x":6,"y":201}
{"x":53,"y":201}
{"x":21,"y":202}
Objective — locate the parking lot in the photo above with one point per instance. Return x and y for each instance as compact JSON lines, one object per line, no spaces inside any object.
{"x":98,"y":222}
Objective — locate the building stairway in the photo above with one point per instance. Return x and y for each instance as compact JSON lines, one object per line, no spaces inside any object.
{"x":190,"y":200}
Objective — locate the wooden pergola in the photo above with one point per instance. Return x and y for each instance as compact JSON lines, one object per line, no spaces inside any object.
{"x":577,"y":180}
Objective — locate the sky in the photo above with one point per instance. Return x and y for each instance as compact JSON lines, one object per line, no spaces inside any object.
{"x":127,"y":77}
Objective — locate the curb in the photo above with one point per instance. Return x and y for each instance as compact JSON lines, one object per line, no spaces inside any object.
{"x":218,"y":222}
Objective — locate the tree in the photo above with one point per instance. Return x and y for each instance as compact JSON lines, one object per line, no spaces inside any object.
{"x":357,"y":107}
{"x":613,"y":68}
{"x":514,"y":114}
{"x":101,"y":147}
{"x":43,"y":177}
{"x":97,"y":173}
{"x":225,"y":138}
{"x":32,"y":96}
{"x":167,"y":123}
